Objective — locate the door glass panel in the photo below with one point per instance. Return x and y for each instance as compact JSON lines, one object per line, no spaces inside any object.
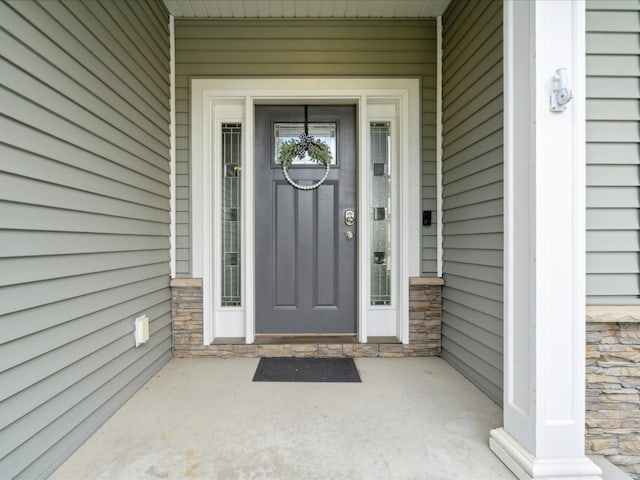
{"x":380,"y":177}
{"x":231,"y":213}
{"x":292,"y":131}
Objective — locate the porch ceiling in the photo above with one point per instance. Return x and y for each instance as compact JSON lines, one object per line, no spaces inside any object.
{"x":306,"y":8}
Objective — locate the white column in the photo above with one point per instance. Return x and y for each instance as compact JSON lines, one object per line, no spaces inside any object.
{"x":544,"y":385}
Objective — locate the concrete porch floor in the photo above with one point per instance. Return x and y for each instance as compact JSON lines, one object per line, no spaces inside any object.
{"x":204,"y":418}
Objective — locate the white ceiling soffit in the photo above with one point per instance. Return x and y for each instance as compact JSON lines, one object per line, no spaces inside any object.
{"x":306,"y":8}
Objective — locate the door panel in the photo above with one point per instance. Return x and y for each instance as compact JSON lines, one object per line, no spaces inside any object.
{"x":305,"y":266}
{"x":326,"y":246}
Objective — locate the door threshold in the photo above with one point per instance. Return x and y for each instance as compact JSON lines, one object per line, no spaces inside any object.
{"x":265,"y":339}
{"x":384,"y":340}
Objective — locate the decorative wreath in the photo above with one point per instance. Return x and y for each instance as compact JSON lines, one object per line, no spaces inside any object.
{"x":319,"y":152}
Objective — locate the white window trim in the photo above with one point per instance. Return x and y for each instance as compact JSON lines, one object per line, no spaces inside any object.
{"x":245,"y":94}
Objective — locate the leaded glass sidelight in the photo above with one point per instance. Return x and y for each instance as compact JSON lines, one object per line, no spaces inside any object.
{"x":380,"y":218}
{"x":231,"y":168}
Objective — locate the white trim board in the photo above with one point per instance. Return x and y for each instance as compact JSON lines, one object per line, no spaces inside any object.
{"x":439,"y":211}
{"x":214,"y":101}
{"x":172,"y":146}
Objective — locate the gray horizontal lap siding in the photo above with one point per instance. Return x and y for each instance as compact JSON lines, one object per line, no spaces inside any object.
{"x":84,"y":219}
{"x":263,"y":48}
{"x":473,"y":192}
{"x":613,"y":155}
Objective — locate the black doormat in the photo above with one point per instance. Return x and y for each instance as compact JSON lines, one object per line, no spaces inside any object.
{"x":279,"y":369}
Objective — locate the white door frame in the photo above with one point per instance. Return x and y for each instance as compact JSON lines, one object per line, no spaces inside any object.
{"x":396,"y":100}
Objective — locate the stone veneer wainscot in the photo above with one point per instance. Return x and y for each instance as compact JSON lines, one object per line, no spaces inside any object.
{"x":425,"y":301}
{"x":613,"y":385}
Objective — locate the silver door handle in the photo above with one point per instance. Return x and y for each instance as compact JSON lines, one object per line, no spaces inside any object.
{"x":349,"y":217}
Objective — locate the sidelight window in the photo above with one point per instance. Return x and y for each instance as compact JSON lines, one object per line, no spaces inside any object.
{"x":380,"y":218}
{"x":231,"y":212}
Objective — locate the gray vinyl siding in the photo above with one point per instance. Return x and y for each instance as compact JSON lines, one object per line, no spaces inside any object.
{"x":84,"y":219}
{"x":472,"y":192}
{"x":263,"y":48}
{"x":613,"y":155}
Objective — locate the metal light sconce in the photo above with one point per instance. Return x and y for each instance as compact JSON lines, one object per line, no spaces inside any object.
{"x":560,"y":95}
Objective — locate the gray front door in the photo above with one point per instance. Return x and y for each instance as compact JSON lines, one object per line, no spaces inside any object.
{"x":305,"y":264}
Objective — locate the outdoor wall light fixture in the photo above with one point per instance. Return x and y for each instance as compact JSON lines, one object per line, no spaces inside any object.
{"x":560,"y":94}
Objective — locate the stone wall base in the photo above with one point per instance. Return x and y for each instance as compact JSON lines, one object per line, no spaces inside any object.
{"x":425,"y":301}
{"x":613,"y":388}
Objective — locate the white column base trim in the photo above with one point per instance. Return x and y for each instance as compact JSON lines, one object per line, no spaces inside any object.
{"x":526,"y":467}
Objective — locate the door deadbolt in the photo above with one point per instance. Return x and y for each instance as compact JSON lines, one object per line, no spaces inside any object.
{"x":349,"y":235}
{"x":349,"y":217}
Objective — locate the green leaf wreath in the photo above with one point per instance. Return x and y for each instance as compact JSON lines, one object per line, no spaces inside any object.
{"x":317,"y":149}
